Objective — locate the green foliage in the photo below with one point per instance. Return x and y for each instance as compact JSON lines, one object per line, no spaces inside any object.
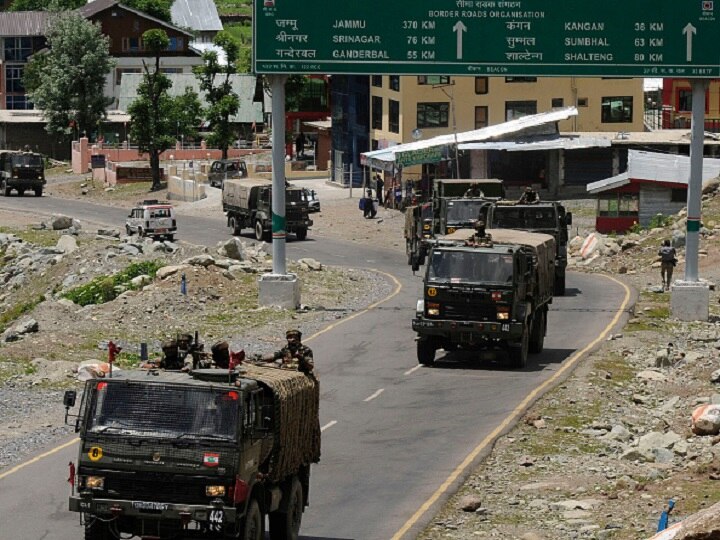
{"x":232,"y":7}
{"x":17,"y":311}
{"x":659,"y":221}
{"x":105,"y":288}
{"x":187,"y":113}
{"x":45,"y":5}
{"x":68,"y":83}
{"x":636,"y":228}
{"x":160,"y":9}
{"x":215,"y":81}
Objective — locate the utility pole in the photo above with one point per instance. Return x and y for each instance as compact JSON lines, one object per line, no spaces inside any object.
{"x":451,"y":97}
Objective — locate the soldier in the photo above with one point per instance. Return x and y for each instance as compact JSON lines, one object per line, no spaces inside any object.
{"x":474,"y":191}
{"x":529,"y":196}
{"x":294,"y":355}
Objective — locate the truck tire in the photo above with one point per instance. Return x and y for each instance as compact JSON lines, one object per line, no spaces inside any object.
{"x":559,"y":289}
{"x":7,"y":191}
{"x":21,"y":192}
{"x":426,"y":352}
{"x":128,"y":230}
{"x":286,"y":525}
{"x":96,"y":529}
{"x":253,"y":524}
{"x":235,"y":226}
{"x":259,"y":232}
{"x":537,"y":333}
{"x":301,"y":234}
{"x":38,"y":192}
{"x":518,"y":352}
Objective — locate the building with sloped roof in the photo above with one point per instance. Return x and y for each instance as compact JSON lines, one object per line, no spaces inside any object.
{"x":200,"y":16}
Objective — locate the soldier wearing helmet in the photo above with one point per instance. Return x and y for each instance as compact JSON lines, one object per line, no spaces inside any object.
{"x":529,"y":196}
{"x":294,"y":355}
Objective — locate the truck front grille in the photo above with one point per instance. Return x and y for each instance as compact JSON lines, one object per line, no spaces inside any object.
{"x":158,"y":487}
{"x":468,"y":311}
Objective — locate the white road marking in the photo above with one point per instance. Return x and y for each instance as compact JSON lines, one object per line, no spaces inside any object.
{"x":376,"y":394}
{"x":329,"y":424}
{"x":413,"y":370}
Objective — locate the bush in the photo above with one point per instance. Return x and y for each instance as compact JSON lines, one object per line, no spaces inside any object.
{"x":104,"y":289}
{"x":659,"y":221}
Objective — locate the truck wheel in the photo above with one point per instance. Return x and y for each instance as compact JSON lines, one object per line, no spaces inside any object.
{"x":286,"y":525}
{"x":301,"y":234}
{"x":253,"y":523}
{"x":518,"y":352}
{"x":259,"y":232}
{"x":170,"y":237}
{"x":537,"y":334}
{"x":235,"y":226}
{"x":559,"y":286}
{"x":96,"y":529}
{"x":38,"y":192}
{"x":426,"y":352}
{"x":21,"y":192}
{"x":7,"y":191}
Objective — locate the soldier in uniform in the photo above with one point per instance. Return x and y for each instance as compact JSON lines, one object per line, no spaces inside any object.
{"x":294,"y":355}
{"x":474,"y":191}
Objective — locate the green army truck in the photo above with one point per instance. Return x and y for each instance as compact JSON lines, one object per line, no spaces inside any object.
{"x":21,"y":171}
{"x":541,"y":217}
{"x":456,"y":204}
{"x":208,"y":454}
{"x":247,"y":203}
{"x":486,"y":293}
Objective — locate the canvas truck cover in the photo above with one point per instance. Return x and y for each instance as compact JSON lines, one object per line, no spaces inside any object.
{"x":542,"y":244}
{"x":297,"y":421}
{"x":236,"y":191}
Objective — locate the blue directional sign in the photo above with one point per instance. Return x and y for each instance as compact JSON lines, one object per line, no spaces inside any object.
{"x":635,"y":38}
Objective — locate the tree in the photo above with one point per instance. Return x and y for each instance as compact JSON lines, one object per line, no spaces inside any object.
{"x":45,"y":5}
{"x":151,"y":113}
{"x":222,"y":101}
{"x":160,"y":9}
{"x":67,"y":82}
{"x":187,"y":114}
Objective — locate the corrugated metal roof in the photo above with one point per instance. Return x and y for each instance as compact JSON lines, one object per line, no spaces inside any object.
{"x":243,"y":85}
{"x":565,"y":143}
{"x":484,"y":134}
{"x":23,"y":23}
{"x":96,"y":6}
{"x":657,"y":167}
{"x":34,"y":116}
{"x":199,"y":15}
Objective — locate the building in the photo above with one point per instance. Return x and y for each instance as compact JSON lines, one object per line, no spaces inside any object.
{"x":677,"y":104}
{"x":407,"y":108}
{"x":200,"y":16}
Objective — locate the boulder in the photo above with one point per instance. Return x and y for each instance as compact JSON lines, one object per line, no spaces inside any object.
{"x":233,"y":249}
{"x":167,"y":271}
{"x":706,"y":419}
{"x":200,"y":260}
{"x":67,"y":243}
{"x":704,"y":525}
{"x":59,"y":222}
{"x":310,"y":264}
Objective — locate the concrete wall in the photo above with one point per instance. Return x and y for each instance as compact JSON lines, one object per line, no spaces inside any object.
{"x":656,"y":200}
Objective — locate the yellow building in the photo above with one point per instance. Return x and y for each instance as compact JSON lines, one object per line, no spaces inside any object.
{"x":407,"y":108}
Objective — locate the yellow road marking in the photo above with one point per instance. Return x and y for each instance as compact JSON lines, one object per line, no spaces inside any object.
{"x":37,"y":458}
{"x":570,"y":362}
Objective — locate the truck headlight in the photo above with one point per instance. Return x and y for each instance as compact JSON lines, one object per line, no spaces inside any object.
{"x":451,"y":230}
{"x":433,"y":310}
{"x":503,"y":316}
{"x":95,"y":482}
{"x":215,"y":491}
{"x":420,"y":306}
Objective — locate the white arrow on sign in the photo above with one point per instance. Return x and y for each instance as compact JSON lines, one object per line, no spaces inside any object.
{"x":459,"y":28}
{"x":689,"y":30}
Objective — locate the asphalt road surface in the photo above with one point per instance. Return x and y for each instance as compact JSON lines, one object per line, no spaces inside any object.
{"x":397,"y":438}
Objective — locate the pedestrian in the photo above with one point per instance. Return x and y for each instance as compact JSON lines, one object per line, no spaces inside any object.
{"x":398,"y":197}
{"x":668,"y":260}
{"x":379,"y":184}
{"x":529,"y":196}
{"x":300,"y":145}
{"x":294,"y":355}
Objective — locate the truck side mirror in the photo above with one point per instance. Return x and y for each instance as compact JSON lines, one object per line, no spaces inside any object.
{"x":69,"y":398}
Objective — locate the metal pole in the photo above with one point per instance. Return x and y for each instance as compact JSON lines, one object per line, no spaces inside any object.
{"x":279,"y":233}
{"x":694,"y":194}
{"x":351,"y":178}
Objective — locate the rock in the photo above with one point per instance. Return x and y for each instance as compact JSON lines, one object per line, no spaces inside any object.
{"x":200,"y":260}
{"x":715,"y":376}
{"x":706,"y":420}
{"x":140,"y":281}
{"x":650,"y":375}
{"x":572,"y":504}
{"x":59,"y":222}
{"x":67,"y":243}
{"x":233,"y":249}
{"x":21,"y":328}
{"x":310,"y":264}
{"x":112,"y":233}
{"x":704,"y":525}
{"x":167,"y":271}
{"x":469,"y":503}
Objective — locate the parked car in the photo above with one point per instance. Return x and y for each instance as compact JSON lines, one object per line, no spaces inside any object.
{"x":152,"y":218}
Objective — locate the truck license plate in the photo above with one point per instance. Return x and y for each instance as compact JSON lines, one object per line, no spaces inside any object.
{"x":147,"y":505}
{"x":160,"y":230}
{"x":216,"y":519}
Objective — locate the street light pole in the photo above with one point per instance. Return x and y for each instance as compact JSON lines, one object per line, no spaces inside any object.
{"x":451,"y":96}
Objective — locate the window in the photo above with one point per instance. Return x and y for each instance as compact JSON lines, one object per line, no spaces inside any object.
{"x":518,"y":109}
{"x":433,"y":115}
{"x":176,"y":44}
{"x":684,"y":98}
{"x":481,"y":117}
{"x":376,"y":80}
{"x":18,"y":102}
{"x":13,"y":79}
{"x":119,"y":73}
{"x":481,"y":85}
{"x":557,"y":102}
{"x":394,"y":82}
{"x":131,"y":44}
{"x":678,"y":195}
{"x":582,"y":102}
{"x":618,"y":205}
{"x":394,"y":116}
{"x":433,"y":79}
{"x":520,"y":79}
{"x":17,"y":49}
{"x":171,"y":70}
{"x":617,"y":109}
{"x":377,"y":112}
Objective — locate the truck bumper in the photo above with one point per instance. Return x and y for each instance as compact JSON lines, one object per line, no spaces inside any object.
{"x":147,"y":510}
{"x":24,"y":183}
{"x":467,"y":332}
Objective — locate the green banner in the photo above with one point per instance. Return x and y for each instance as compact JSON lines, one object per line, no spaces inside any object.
{"x":693,"y":225}
{"x":278,"y":224}
{"x":416,"y":157}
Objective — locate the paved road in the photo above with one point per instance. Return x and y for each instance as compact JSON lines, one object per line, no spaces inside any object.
{"x":394,"y":433}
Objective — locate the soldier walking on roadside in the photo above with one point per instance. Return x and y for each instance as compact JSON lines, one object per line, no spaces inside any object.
{"x":668,"y":259}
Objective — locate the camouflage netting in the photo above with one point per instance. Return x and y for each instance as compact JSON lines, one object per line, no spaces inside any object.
{"x":297,"y":425}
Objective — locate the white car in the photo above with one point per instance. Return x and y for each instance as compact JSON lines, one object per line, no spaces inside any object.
{"x":152,"y":218}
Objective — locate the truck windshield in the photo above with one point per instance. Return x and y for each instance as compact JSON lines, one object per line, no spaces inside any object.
{"x":470,"y":267}
{"x":513,"y":217}
{"x":27,"y":160}
{"x":294,"y":196}
{"x":464,"y":211}
{"x":164,"y":411}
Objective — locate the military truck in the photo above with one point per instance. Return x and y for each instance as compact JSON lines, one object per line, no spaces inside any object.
{"x":456,"y":204}
{"x":247,"y":204}
{"x":21,"y":171}
{"x":542,"y":217}
{"x":486,"y":293}
{"x":205,"y":454}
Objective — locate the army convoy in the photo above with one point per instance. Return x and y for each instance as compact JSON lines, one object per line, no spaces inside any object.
{"x":167,"y":454}
{"x":486,"y":292}
{"x":247,"y":203}
{"x":21,"y":171}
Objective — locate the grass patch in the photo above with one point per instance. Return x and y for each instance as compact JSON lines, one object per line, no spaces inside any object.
{"x":44,"y":238}
{"x":17,"y":311}
{"x":234,"y":7}
{"x":104,"y":289}
{"x":615,"y":365}
{"x":240,"y":31}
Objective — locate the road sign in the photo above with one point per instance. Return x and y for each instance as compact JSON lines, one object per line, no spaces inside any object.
{"x":637,"y":38}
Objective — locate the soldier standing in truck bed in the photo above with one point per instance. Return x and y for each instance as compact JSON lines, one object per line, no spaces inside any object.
{"x":294,"y":355}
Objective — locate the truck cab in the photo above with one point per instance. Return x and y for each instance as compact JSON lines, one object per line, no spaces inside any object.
{"x":223,"y":169}
{"x":22,"y":171}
